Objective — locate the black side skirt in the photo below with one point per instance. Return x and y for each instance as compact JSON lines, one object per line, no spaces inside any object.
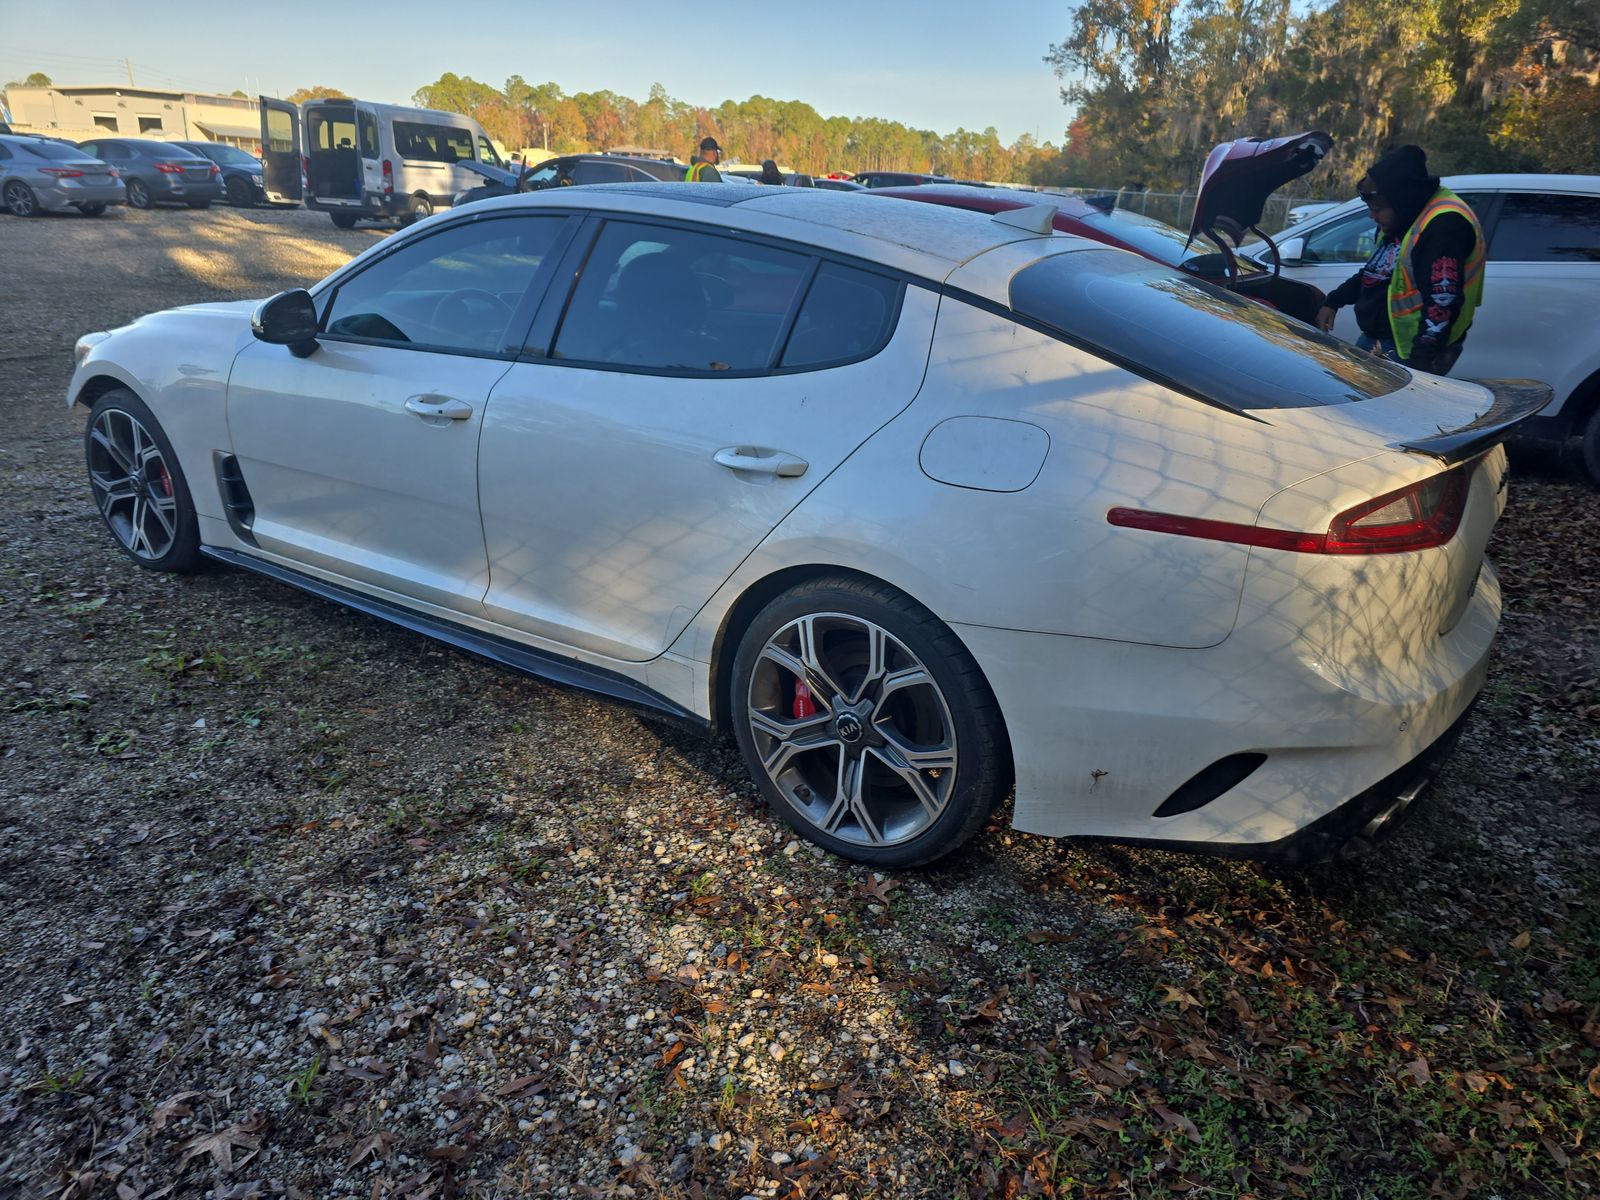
{"x":520,"y":658}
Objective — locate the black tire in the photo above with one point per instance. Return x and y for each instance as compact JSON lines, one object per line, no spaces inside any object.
{"x":115,"y":408}
{"x":1591,"y":446}
{"x":240,"y":193}
{"x":138,"y":195}
{"x":20,"y":200}
{"x":198,"y":203}
{"x":92,"y":209}
{"x":964,"y":718}
{"x":419,"y":209}
{"x":343,"y":220}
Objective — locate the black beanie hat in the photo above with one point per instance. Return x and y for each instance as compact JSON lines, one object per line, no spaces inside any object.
{"x":1402,"y":176}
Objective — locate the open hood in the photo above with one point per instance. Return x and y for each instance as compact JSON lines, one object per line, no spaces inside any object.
{"x":491,"y":173}
{"x":1240,"y":175}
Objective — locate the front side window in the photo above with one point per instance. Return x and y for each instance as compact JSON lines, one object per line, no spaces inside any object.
{"x":1547,"y":228}
{"x":456,"y":290}
{"x":588,"y":171}
{"x":1351,"y":240}
{"x":1198,"y":338}
{"x":675,"y":299}
{"x":486,"y":152}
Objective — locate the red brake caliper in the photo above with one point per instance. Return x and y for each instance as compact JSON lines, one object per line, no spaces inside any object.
{"x":166,"y":480}
{"x":804,"y":705}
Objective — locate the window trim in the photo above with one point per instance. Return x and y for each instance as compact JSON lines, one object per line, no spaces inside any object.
{"x":522,"y":314}
{"x":553,"y":310}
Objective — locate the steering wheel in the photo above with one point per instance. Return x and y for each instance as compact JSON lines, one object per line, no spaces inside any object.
{"x":444,"y":316}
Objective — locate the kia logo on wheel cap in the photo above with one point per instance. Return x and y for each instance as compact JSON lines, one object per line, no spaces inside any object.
{"x":848,"y":726}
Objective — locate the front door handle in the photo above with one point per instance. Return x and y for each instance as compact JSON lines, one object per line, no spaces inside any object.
{"x":761,"y":461}
{"x":435,"y":408}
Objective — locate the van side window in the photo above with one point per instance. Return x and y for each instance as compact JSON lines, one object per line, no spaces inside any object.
{"x":456,"y":143}
{"x":432,"y":143}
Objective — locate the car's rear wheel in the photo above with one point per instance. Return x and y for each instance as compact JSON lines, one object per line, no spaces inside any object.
{"x":20,"y":199}
{"x":138,"y":486}
{"x":240,"y":194}
{"x":867,"y":724}
{"x":419,"y":209}
{"x":92,"y":209}
{"x":138,"y":195}
{"x":343,"y":220}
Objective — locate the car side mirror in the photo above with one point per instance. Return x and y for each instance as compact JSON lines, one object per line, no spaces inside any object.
{"x":1292,"y":250}
{"x":288,"y":319}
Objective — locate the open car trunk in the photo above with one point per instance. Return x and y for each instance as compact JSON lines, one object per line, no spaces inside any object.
{"x":333,"y":157}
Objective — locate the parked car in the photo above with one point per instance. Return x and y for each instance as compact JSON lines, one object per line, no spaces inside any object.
{"x":356,"y":160}
{"x":242,"y":181}
{"x":1538,"y":319}
{"x":1103,"y":222}
{"x":838,"y":185}
{"x":881,"y":179}
{"x":1304,"y":212}
{"x":40,"y":175}
{"x":159,"y":172}
{"x":915,"y":508}
{"x":568,"y":171}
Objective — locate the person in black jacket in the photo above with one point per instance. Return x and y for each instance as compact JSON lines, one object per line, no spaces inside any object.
{"x":770,"y":174}
{"x":1445,"y":267}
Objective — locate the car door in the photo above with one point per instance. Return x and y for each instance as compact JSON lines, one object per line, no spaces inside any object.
{"x":280,"y":150}
{"x":361,"y":458}
{"x":1538,"y":317}
{"x":696,"y":387}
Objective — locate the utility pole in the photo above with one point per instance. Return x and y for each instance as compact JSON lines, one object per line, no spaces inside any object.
{"x":129,"y":64}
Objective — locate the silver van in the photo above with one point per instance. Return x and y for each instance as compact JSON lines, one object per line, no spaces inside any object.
{"x":354,"y":159}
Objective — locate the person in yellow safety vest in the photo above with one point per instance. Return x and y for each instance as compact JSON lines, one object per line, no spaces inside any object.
{"x":704,"y":167}
{"x":1416,"y":295}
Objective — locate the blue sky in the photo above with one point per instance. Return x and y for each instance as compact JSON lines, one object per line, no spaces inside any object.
{"x":937,"y":64}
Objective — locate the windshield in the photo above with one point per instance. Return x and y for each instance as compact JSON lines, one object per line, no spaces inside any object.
{"x":1195,"y":337}
{"x":231,"y":156}
{"x":53,"y":150}
{"x":1164,"y":243}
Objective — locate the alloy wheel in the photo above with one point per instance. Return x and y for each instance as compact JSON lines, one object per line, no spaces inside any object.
{"x":19,"y":199}
{"x":132,"y":485}
{"x":138,"y":194}
{"x":851,"y":727}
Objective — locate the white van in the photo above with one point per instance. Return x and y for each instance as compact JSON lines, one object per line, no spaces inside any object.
{"x":354,"y":159}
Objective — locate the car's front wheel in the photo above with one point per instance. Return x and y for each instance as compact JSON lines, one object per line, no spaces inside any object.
{"x":240,"y":194}
{"x":138,"y":485}
{"x":19,"y":198}
{"x":867,"y":724}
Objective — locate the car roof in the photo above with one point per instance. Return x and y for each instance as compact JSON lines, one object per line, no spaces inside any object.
{"x":922,"y":239}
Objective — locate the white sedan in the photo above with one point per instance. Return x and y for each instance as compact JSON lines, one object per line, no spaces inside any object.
{"x":920,"y":504}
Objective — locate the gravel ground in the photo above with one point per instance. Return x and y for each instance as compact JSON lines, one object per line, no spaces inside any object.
{"x":299,"y":904}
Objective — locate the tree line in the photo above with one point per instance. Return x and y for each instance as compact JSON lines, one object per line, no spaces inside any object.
{"x":1482,"y":85}
{"x":542,"y":116}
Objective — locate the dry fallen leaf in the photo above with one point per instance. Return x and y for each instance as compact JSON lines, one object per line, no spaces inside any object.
{"x":220,"y":1146}
{"x":1520,"y":942}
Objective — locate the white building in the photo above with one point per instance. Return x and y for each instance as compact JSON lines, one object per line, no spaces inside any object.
{"x":100,"y":111}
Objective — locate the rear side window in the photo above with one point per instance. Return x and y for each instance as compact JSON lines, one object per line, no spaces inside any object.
{"x":847,"y":315}
{"x":602,"y":172}
{"x":675,"y":299}
{"x":1547,"y":228}
{"x":1200,"y":339}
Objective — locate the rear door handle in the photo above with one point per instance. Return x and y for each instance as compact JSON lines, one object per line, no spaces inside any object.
{"x":438,"y":408}
{"x":761,"y":461}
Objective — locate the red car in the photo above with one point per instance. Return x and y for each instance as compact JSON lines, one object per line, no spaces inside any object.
{"x":1238,"y":178}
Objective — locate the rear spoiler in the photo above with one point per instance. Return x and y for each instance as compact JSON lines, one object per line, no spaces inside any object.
{"x":1515,"y":400}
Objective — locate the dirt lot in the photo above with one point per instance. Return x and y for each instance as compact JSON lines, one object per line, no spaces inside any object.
{"x":299,"y":904}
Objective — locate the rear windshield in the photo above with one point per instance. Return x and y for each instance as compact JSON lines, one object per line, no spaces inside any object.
{"x":1165,"y":243}
{"x":230,"y":156}
{"x":52,"y":150}
{"x":1202,"y":339}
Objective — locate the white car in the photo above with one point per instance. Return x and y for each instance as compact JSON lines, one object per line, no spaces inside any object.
{"x":917,"y":502}
{"x":1539,"y":318}
{"x":1304,"y":212}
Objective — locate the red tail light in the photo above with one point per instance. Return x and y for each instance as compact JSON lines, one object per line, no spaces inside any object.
{"x":388,"y":178}
{"x":1417,"y":517}
{"x":61,"y":172}
{"x":170,"y":168}
{"x":216,"y":170}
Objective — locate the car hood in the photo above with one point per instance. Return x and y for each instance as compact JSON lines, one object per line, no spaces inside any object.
{"x":1240,"y":175}
{"x":492,"y":174}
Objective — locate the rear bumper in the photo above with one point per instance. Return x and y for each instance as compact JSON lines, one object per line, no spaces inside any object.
{"x":65,"y":193}
{"x":168,"y":188}
{"x":372,"y":205}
